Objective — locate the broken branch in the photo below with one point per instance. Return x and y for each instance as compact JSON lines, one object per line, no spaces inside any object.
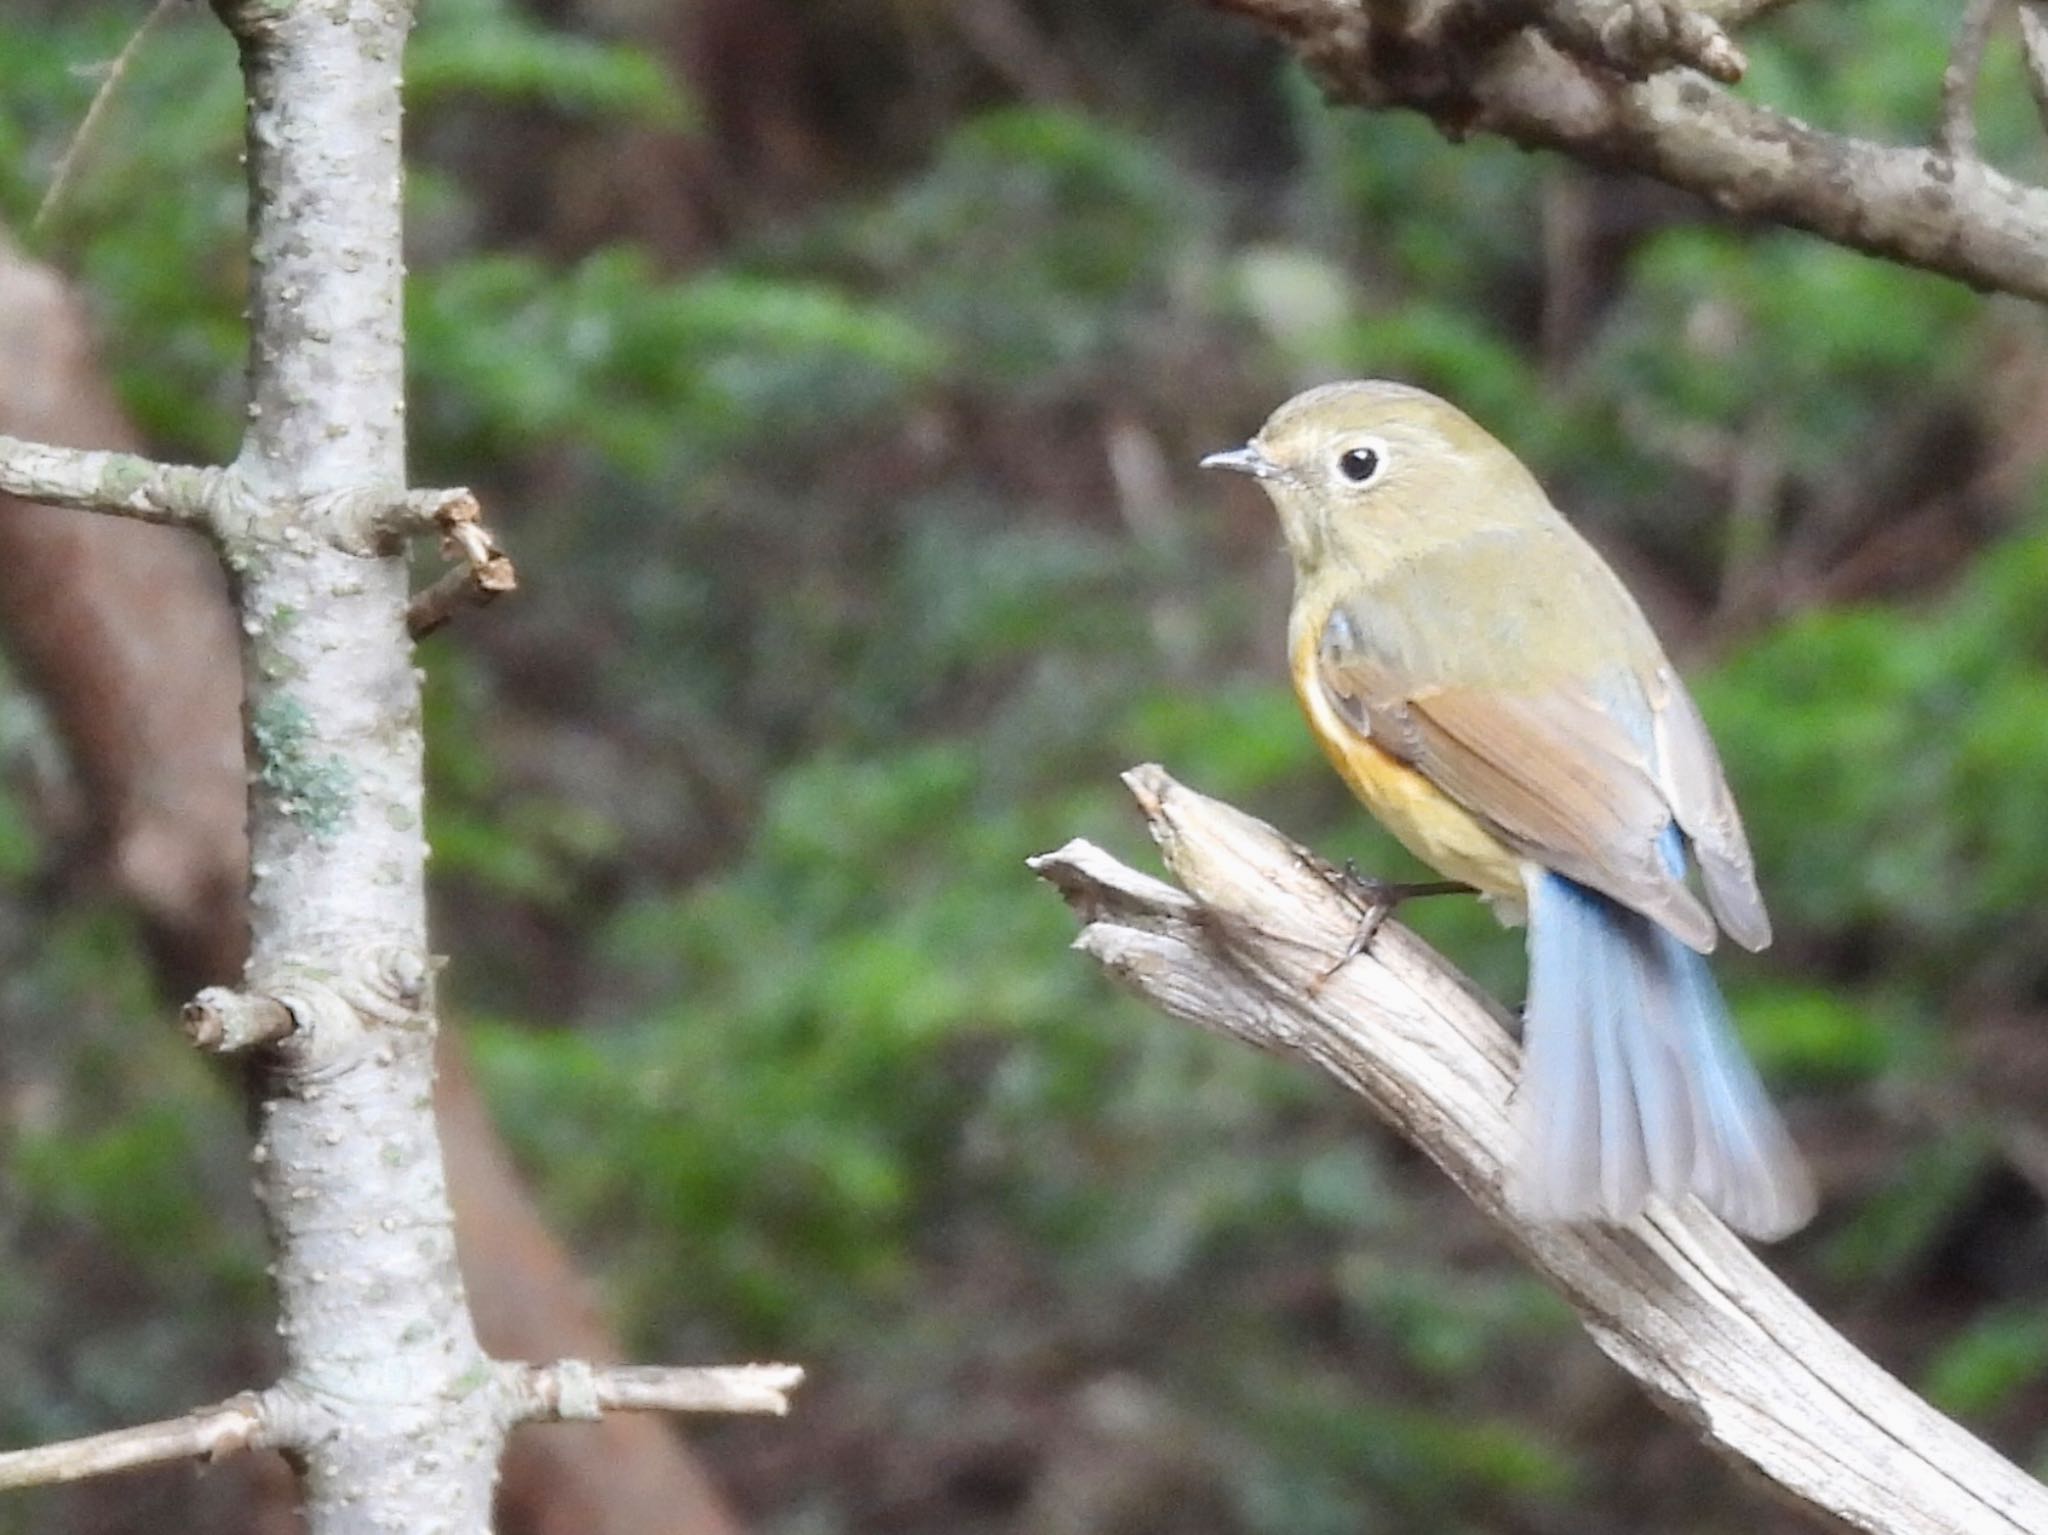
{"x":1673,"y":1298}
{"x":483,"y":573}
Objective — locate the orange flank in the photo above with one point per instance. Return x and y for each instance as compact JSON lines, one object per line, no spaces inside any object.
{"x":1436,"y":829}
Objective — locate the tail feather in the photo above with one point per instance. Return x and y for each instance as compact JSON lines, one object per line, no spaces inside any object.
{"x":1662,"y":1101}
{"x":1635,"y":1083}
{"x":1620,"y":1146}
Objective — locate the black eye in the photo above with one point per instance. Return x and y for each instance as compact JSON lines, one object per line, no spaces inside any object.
{"x":1358,"y":464}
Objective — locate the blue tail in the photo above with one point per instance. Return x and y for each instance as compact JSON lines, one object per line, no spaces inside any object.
{"x":1634,"y":1082}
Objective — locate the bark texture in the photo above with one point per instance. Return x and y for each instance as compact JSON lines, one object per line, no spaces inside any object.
{"x":377,"y":1333}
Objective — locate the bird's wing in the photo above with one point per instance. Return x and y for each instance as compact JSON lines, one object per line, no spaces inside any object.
{"x":1544,"y":761}
{"x":1689,"y":770}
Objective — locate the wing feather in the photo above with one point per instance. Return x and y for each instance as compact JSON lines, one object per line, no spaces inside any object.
{"x":1690,"y":771}
{"x":1547,"y":766}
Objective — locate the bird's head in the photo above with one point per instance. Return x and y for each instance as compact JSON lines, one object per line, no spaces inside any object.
{"x":1367,"y":471}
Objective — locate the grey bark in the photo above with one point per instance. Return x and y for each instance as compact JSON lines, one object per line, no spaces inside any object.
{"x":375,"y":1326}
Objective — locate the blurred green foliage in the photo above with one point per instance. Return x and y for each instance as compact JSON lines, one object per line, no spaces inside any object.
{"x":864,"y":550}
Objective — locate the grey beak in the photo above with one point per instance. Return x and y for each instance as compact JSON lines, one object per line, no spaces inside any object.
{"x":1245,"y":460}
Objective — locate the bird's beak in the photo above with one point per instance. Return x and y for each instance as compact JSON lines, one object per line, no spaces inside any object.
{"x":1245,"y":460}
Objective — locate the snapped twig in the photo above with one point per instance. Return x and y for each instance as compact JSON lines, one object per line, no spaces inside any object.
{"x":482,"y":574}
{"x":220,"y":503}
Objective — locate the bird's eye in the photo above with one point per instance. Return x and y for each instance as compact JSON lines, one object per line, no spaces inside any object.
{"x":1358,"y":464}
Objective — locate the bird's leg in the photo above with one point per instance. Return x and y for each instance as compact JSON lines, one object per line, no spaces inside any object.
{"x":1376,"y":900}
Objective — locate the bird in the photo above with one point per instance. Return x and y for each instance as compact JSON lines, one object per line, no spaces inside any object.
{"x":1484,"y":683}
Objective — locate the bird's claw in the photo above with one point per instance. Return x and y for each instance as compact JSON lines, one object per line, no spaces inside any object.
{"x":1375,"y":900}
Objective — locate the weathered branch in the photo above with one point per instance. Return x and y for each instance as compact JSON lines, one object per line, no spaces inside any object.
{"x":1673,"y":1298}
{"x":571,"y":1390}
{"x":1534,"y":86}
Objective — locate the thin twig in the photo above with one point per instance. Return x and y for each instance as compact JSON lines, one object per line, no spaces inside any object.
{"x":1956,"y":133}
{"x":2034,"y":50}
{"x":208,"y":1433}
{"x":67,"y":164}
{"x":565,"y":1391}
{"x":121,"y":484}
{"x":1673,"y":1297}
{"x":573,"y":1390}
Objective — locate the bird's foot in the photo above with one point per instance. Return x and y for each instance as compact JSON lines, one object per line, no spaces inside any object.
{"x":1375,"y":900}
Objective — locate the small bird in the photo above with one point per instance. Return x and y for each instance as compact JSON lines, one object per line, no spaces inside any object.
{"x":1482,"y":680}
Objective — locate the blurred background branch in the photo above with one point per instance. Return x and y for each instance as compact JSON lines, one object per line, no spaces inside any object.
{"x":1602,"y":80}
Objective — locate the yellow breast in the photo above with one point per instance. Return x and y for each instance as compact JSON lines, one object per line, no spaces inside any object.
{"x":1434,"y":828}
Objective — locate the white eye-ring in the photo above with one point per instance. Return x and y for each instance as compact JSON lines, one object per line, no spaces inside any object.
{"x":1363,"y":462}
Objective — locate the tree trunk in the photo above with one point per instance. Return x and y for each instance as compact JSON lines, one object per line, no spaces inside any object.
{"x":388,"y":1406}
